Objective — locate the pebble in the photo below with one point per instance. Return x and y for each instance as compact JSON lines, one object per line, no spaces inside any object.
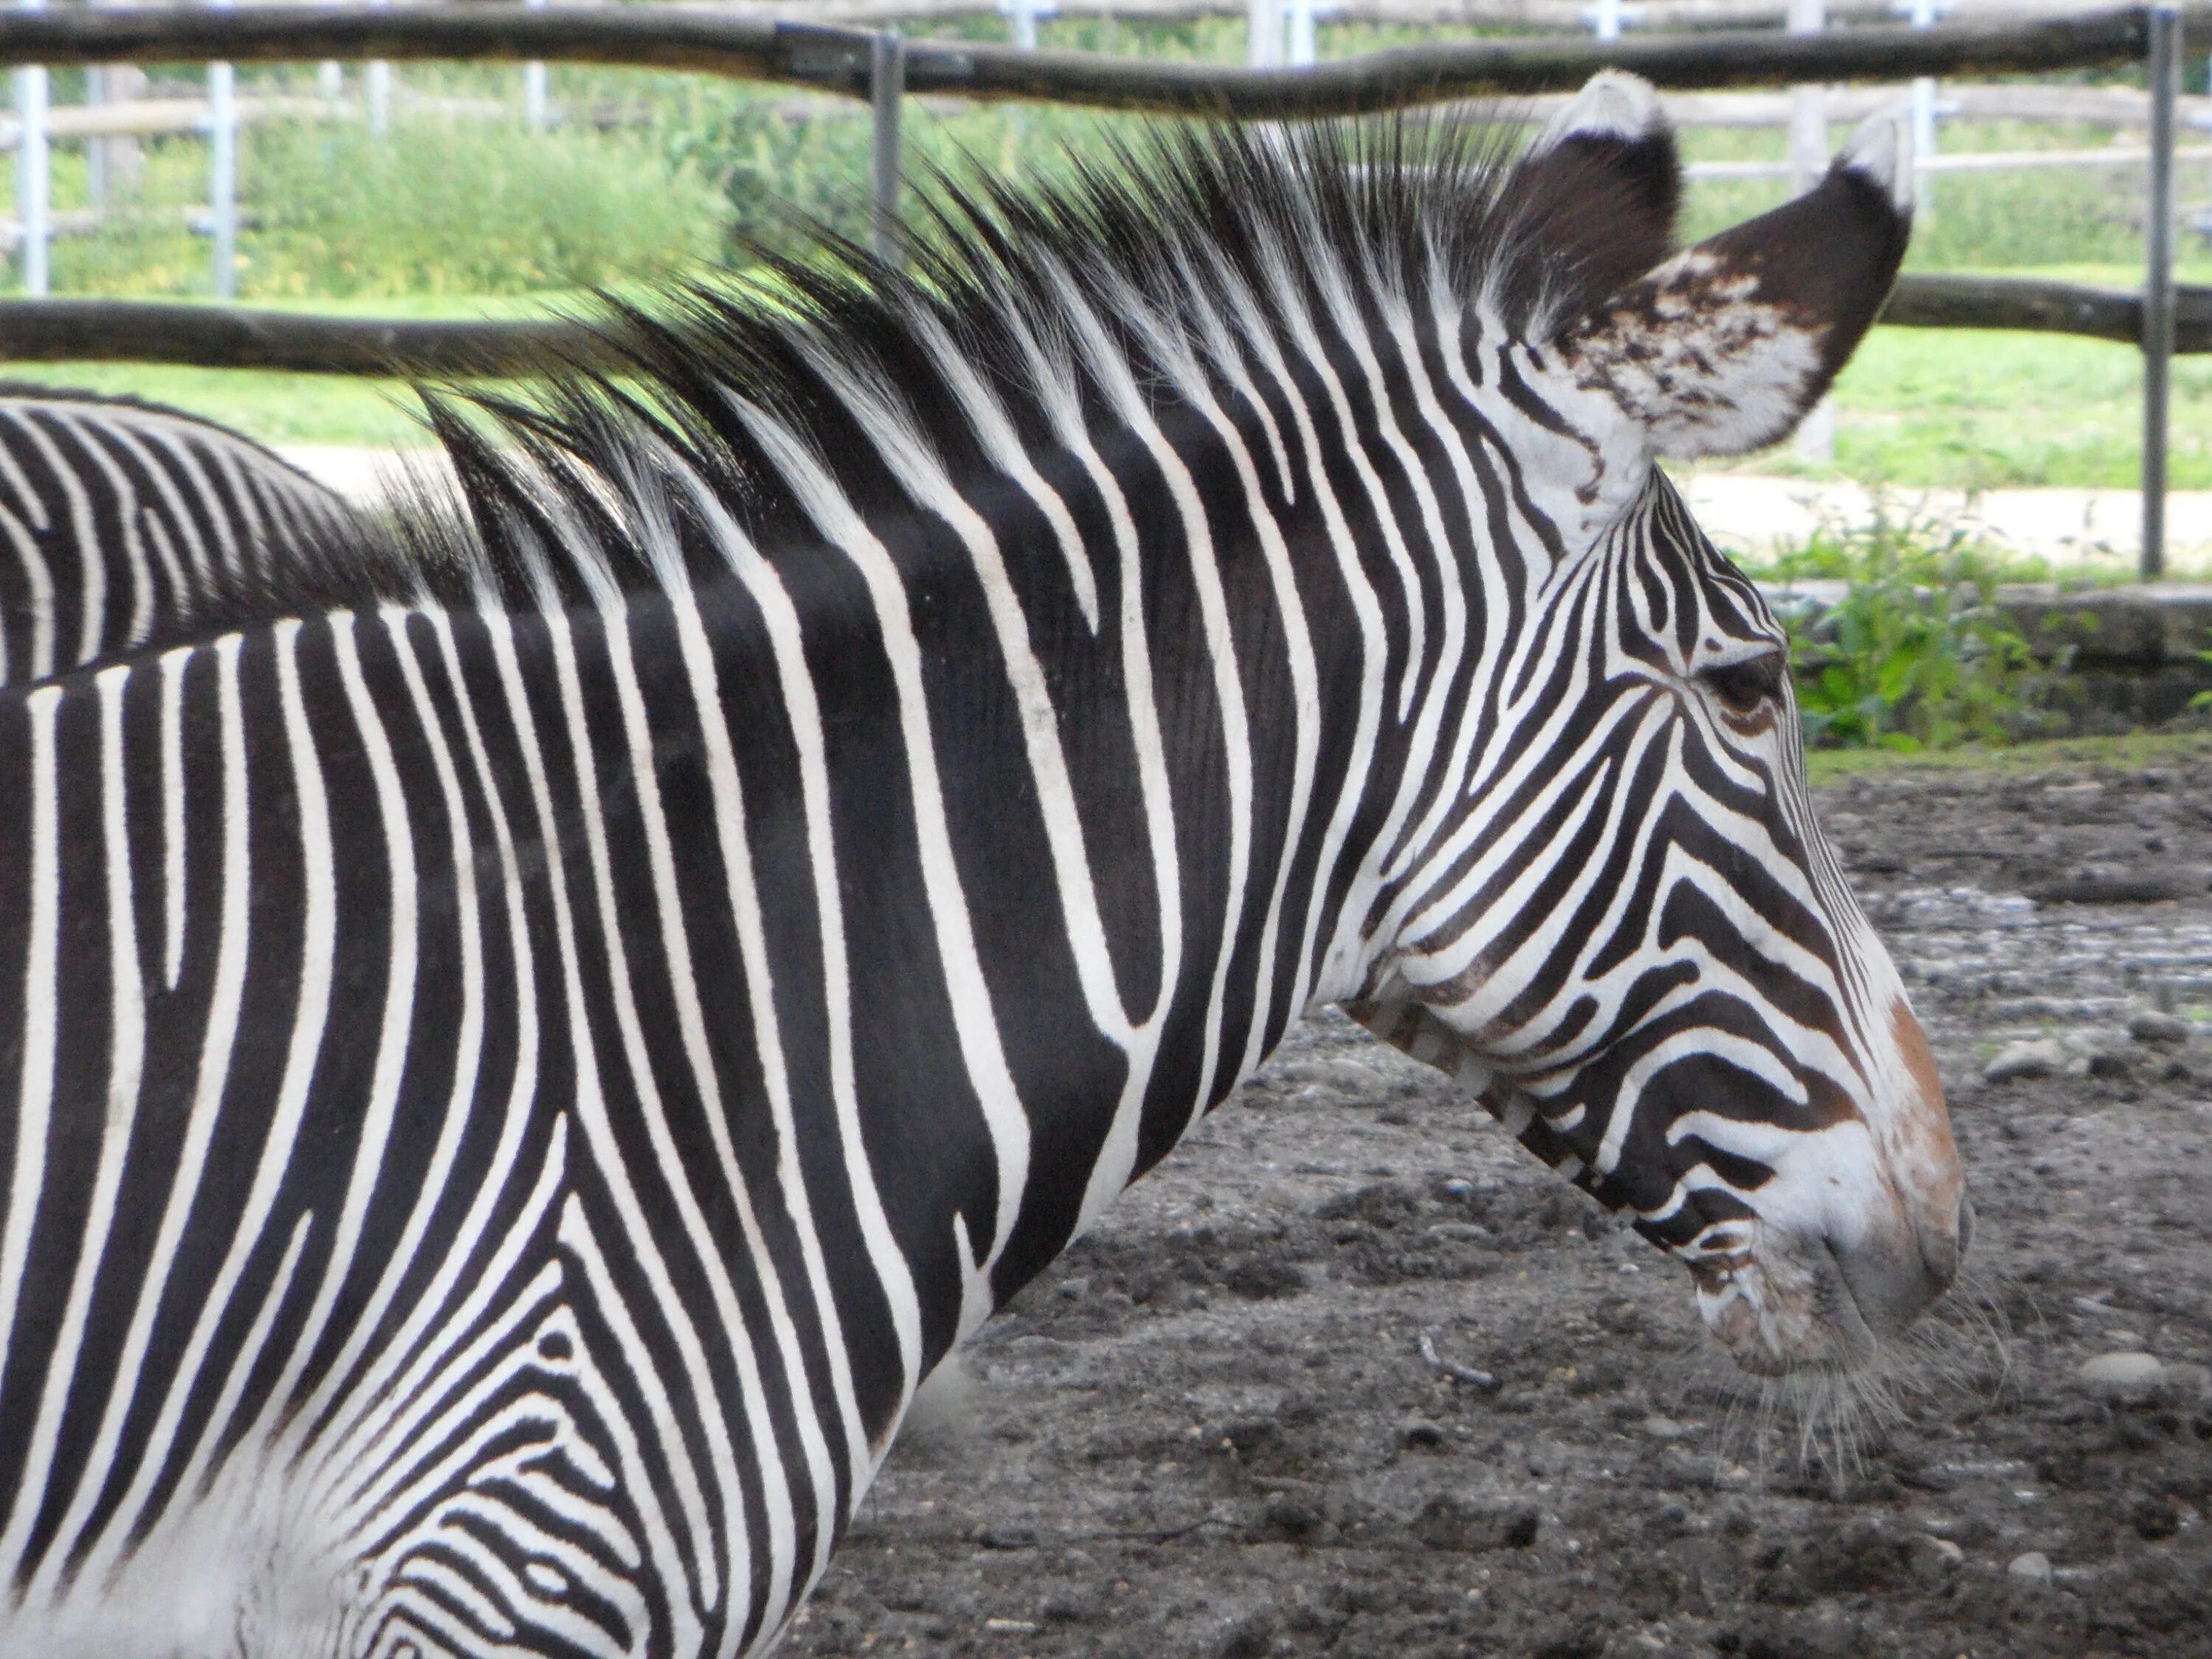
{"x":2129,"y":1372}
{"x":1472,"y":1233}
{"x":2042,"y":1057}
{"x":1943,"y":1550}
{"x":2034,"y":1568}
{"x":1666,"y":1428}
{"x":1419,"y":1432}
{"x":2153,"y":1027}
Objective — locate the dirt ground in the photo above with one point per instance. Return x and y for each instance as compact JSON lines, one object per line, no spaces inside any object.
{"x":1211,"y":1432}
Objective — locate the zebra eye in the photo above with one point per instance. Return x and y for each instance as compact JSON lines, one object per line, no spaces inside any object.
{"x":1745,"y":687}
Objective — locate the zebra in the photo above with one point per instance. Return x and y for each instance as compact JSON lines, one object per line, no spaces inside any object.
{"x":515,"y":1079}
{"x":123,"y":522}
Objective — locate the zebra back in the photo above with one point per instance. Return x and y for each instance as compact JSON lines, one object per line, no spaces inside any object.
{"x":124,"y":524}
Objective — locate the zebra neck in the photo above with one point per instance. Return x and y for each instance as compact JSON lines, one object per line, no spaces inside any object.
{"x":1122,"y":746}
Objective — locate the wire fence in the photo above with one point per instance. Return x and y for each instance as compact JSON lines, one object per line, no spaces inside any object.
{"x":1283,"y":83}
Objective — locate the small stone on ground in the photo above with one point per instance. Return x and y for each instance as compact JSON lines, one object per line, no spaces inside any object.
{"x":2039,"y":1057}
{"x":2154,"y":1027}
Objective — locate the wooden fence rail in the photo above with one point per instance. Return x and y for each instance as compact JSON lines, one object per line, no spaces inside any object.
{"x":1535,"y":16}
{"x":837,"y":60}
{"x":859,"y":65}
{"x":207,"y":337}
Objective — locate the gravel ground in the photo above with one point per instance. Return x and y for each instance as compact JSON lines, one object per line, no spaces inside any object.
{"x":1211,"y":1430}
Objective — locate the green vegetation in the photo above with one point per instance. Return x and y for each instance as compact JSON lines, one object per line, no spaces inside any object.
{"x":1976,"y":409}
{"x":439,"y":207}
{"x":1914,"y":657}
{"x":2135,"y":749}
{"x":657,"y":170}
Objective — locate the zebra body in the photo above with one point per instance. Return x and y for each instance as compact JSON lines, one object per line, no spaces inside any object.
{"x":123,"y":522}
{"x":513,"y":1082}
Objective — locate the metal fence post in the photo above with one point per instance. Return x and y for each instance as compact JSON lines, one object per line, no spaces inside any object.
{"x":95,"y":149}
{"x":533,"y":87}
{"x":1305,"y":48}
{"x":1809,"y":162}
{"x":222,"y":171}
{"x":1606,"y":24}
{"x":2158,"y":279}
{"x":376,"y":93}
{"x":886,"y":91}
{"x":1264,"y":43}
{"x":1922,"y":14}
{"x":32,"y":178}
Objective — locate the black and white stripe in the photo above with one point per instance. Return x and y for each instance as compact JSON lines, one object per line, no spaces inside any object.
{"x":123,"y":522}
{"x":513,"y":1081}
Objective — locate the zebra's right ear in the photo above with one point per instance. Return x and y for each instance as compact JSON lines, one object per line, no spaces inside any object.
{"x":1599,"y":187}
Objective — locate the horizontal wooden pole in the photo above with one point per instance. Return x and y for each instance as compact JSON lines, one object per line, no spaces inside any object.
{"x":1529,"y":16}
{"x":2039,"y":307}
{"x":836,"y":60}
{"x":225,"y":336}
{"x":222,"y":336}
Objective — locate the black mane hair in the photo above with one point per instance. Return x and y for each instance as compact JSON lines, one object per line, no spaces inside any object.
{"x":560,"y":492}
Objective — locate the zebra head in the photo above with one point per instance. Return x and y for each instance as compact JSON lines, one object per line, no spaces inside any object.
{"x":1635,"y":940}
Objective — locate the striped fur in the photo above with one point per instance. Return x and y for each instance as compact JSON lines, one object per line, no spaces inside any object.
{"x":513,"y":1080}
{"x":123,"y":523}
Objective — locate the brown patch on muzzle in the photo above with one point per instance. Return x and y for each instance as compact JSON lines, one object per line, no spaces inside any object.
{"x":1929,"y":1129}
{"x":1928,"y":1157}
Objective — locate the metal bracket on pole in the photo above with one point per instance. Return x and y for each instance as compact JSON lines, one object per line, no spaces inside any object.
{"x":886,"y":91}
{"x":2158,"y":279}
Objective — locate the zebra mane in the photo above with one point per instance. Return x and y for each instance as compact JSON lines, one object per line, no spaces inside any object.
{"x":1184,"y":253}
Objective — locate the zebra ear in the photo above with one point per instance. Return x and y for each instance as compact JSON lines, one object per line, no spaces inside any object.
{"x":1599,"y":187}
{"x":1724,"y":348}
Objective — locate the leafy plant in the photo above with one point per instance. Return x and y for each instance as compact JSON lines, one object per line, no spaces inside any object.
{"x":1915,"y":654}
{"x":439,"y":207}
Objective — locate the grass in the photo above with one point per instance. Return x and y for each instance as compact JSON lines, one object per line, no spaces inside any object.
{"x":1828,"y":766}
{"x":1979,"y":410}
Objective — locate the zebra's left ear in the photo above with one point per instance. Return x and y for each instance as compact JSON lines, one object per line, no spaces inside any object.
{"x":1724,"y":348}
{"x":1597,"y":189}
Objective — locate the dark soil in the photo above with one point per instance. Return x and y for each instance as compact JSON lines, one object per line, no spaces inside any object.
{"x":1211,"y":1429}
